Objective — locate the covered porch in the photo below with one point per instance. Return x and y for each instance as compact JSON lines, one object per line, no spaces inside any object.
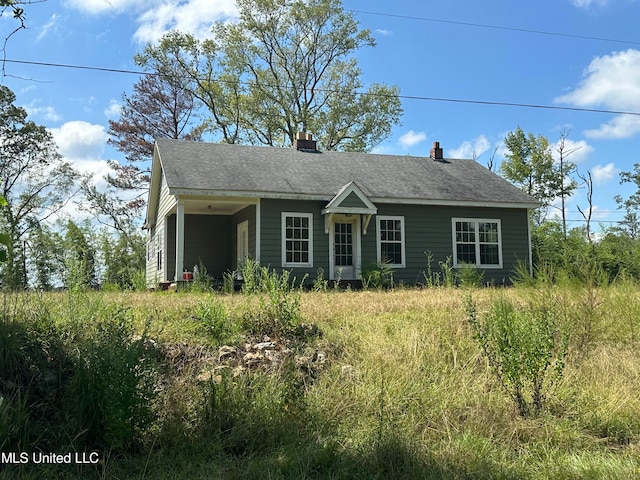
{"x":211,"y":232}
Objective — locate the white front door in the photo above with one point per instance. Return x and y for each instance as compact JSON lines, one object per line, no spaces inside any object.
{"x":242,"y":245}
{"x":345,"y":247}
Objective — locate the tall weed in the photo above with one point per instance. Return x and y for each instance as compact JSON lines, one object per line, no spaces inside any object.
{"x":216,"y":321}
{"x":525,"y":346}
{"x":111,"y":391}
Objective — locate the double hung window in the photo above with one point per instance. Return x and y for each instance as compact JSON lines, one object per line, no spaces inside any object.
{"x":477,"y":242}
{"x":391,"y":240}
{"x":297,"y":239}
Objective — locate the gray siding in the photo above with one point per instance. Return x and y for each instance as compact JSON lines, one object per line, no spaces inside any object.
{"x":271,"y":235}
{"x":427,"y":229}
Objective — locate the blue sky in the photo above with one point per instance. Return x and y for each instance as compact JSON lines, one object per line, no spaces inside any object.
{"x":437,"y":50}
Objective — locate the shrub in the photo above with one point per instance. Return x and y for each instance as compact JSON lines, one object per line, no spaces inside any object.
{"x":378,"y":275}
{"x":525,"y":347}
{"x":469,"y":276}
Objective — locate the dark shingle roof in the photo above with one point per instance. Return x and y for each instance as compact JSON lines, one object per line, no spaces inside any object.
{"x":239,"y":168}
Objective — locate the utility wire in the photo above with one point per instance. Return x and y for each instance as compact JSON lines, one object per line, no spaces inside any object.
{"x":404,"y":97}
{"x":497,"y":27}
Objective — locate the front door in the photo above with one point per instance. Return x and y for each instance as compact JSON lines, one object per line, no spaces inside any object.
{"x":346,"y":248}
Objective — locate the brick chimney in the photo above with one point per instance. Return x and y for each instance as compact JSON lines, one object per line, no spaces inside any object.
{"x":436,"y":151}
{"x":305,"y":142}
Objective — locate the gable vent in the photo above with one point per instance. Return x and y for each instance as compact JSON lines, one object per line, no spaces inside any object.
{"x":436,"y":151}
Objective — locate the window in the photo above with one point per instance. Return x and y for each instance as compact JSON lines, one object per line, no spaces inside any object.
{"x":477,"y":242}
{"x":159,"y":251}
{"x":391,"y":240}
{"x":297,"y":239}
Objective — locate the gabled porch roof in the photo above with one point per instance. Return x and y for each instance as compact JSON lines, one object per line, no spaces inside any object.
{"x":349,"y":200}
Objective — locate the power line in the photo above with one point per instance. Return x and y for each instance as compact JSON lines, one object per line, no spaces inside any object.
{"x":404,"y":97}
{"x":497,"y":27}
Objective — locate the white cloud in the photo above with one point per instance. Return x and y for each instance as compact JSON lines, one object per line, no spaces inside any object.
{"x":113,"y":110}
{"x":79,"y":141}
{"x":52,"y":24}
{"x":157,"y":17}
{"x":193,"y":16}
{"x":412,"y":138}
{"x":470,"y":149}
{"x":48,"y":112}
{"x":383,"y":32}
{"x":603,"y":173}
{"x":622,"y":126}
{"x":82,"y":144}
{"x":611,"y":82}
{"x":574,"y":151}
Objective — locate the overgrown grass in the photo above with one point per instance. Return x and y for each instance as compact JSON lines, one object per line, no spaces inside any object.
{"x":405,"y":391}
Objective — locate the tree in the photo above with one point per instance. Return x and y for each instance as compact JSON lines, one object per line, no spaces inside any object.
{"x":123,"y":259}
{"x":34,"y":180}
{"x":529,"y":165}
{"x":630,"y":224}
{"x":587,"y":180}
{"x":565,"y":168}
{"x":47,"y":257}
{"x":157,"y":108}
{"x":79,"y":258}
{"x":284,"y":67}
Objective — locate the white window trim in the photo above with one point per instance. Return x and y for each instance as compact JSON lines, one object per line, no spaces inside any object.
{"x":476,"y":221}
{"x":284,"y":239}
{"x":159,"y":253}
{"x":402,"y":240}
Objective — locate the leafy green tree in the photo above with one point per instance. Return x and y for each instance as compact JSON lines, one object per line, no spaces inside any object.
{"x":284,"y":67}
{"x":619,"y":254}
{"x":123,"y":259}
{"x":79,"y":257}
{"x":47,"y":256}
{"x":34,"y":180}
{"x":529,"y":165}
{"x":630,"y":224}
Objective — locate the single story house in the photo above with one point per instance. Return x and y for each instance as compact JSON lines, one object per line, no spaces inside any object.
{"x":303,"y":210}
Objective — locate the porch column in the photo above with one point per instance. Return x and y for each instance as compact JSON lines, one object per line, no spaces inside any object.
{"x":179,"y":239}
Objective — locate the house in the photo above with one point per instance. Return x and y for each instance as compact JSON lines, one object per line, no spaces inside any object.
{"x":302,"y":210}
